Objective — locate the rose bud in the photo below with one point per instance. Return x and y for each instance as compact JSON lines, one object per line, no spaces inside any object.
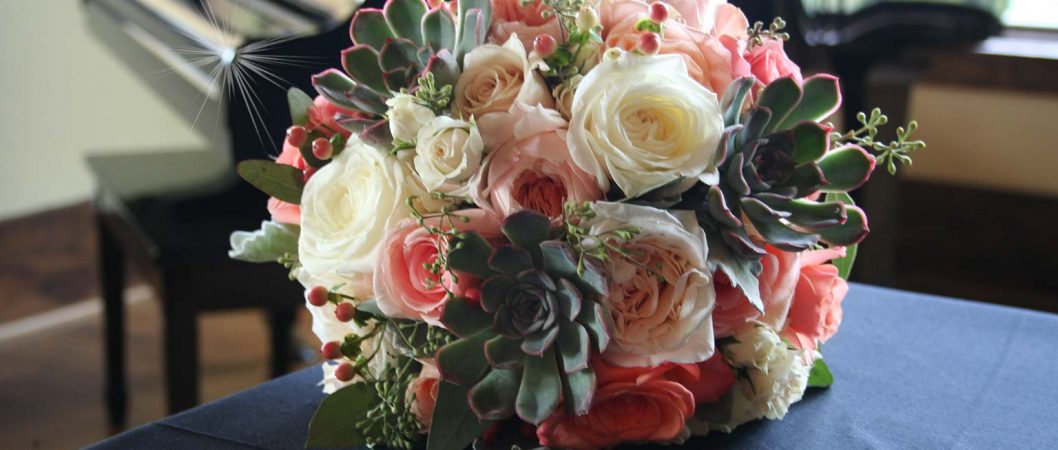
{"x":344,"y":372}
{"x":331,"y":350}
{"x":649,"y":43}
{"x":545,"y":45}
{"x":318,"y":296}
{"x":296,"y":135}
{"x":345,"y":312}
{"x":587,"y":18}
{"x":658,"y":12}
{"x":322,"y":148}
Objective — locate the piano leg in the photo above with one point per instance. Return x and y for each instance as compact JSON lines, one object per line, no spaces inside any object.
{"x":181,"y":350}
{"x":112,"y":280}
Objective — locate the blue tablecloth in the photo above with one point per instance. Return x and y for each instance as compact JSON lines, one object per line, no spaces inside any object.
{"x":911,"y":370}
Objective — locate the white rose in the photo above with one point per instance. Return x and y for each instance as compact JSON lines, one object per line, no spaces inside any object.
{"x":642,"y":121}
{"x":777,"y":374}
{"x":661,"y":303}
{"x":348,"y":206}
{"x":447,"y":153}
{"x":406,"y":116}
{"x":494,"y":77}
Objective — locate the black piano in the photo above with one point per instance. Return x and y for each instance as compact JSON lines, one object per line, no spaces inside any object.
{"x":169,"y":214}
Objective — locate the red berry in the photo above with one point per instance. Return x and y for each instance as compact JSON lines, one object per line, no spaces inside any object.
{"x":322,"y":148}
{"x":345,"y":311}
{"x":296,"y":135}
{"x":344,"y":372}
{"x":658,"y":12}
{"x":331,"y":350}
{"x":649,"y":43}
{"x":545,"y":45}
{"x":318,"y":296}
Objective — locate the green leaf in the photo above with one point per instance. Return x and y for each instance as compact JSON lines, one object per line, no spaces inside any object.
{"x":806,"y":212}
{"x":300,"y":103}
{"x":851,"y":232}
{"x":470,"y":253}
{"x":558,"y":258}
{"x":398,"y":54}
{"x":767,"y":222}
{"x":846,"y":168}
{"x":812,"y":142}
{"x":734,"y":98}
{"x":527,"y":229}
{"x":820,"y":375}
{"x":493,"y":398}
{"x":341,"y":90}
{"x":334,"y":424}
{"x":405,"y":18}
{"x":579,"y":388}
{"x":369,"y":27}
{"x":371,"y":307}
{"x":454,"y":426}
{"x":463,"y":361}
{"x":575,"y":345}
{"x":569,"y":299}
{"x":510,"y":260}
{"x":781,"y":97}
{"x":502,"y":352}
{"x":472,"y":23}
{"x":362,"y":64}
{"x":541,"y":388}
{"x":844,"y":264}
{"x":444,"y":68}
{"x":822,"y":96}
{"x":595,"y":320}
{"x":272,"y":241}
{"x":462,"y":319}
{"x":439,"y":29}
{"x":742,"y":272}
{"x":278,"y":180}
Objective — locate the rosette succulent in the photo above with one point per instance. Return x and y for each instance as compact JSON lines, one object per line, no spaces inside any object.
{"x":392,"y":49}
{"x":526,"y":348}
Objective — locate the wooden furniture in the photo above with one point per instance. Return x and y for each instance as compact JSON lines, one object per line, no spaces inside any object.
{"x":170,"y":213}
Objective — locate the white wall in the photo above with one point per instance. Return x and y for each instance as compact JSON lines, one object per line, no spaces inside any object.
{"x":62,"y":95}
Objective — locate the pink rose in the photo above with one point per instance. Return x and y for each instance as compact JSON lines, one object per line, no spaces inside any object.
{"x":406,"y":289}
{"x":528,"y":165}
{"x":281,"y":211}
{"x":629,"y":405}
{"x":777,"y":282}
{"x":323,"y":117}
{"x":816,"y":310}
{"x":510,"y":17}
{"x":769,"y":62}
{"x":424,"y":392}
{"x":709,"y":61}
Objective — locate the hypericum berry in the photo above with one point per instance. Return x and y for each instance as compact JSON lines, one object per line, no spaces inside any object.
{"x":649,"y":43}
{"x":296,"y":135}
{"x":322,"y":148}
{"x":587,"y":19}
{"x":331,"y":350}
{"x":318,"y":296}
{"x":345,"y":311}
{"x":658,"y":12}
{"x":344,"y":372}
{"x":545,"y":45}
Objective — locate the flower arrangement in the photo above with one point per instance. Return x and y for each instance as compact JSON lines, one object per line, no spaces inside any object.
{"x":565,"y":223}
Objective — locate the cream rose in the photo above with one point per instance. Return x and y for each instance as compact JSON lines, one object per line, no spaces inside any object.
{"x":643,"y":122}
{"x":406,"y":116}
{"x":348,"y":206}
{"x":494,"y":77}
{"x":447,"y":153}
{"x":661,"y":303}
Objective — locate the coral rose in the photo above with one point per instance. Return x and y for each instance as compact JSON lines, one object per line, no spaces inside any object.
{"x":323,"y":117}
{"x":769,"y":62}
{"x":816,"y":310}
{"x":404,"y":287}
{"x":281,"y":211}
{"x":630,"y":405}
{"x":528,"y":166}
{"x":509,"y":17}
{"x":423,"y":392}
{"x":777,"y":282}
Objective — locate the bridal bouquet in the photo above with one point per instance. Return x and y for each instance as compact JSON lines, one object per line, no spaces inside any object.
{"x":565,"y":223}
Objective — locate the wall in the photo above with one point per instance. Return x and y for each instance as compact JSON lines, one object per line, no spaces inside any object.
{"x":62,"y":96}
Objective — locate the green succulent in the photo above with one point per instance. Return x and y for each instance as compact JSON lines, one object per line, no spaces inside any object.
{"x":392,"y":49}
{"x":527,"y":348}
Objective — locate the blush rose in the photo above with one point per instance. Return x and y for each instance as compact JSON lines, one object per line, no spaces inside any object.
{"x":815,"y":313}
{"x":777,"y":282}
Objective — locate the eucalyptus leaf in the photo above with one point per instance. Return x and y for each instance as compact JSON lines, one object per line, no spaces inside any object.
{"x":278,"y":180}
{"x":334,"y":424}
{"x":300,"y":103}
{"x":268,"y":244}
{"x":454,"y":426}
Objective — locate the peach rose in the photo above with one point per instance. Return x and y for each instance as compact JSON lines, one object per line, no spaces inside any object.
{"x":281,"y":211}
{"x":708,"y":380}
{"x":769,"y":62}
{"x":423,"y":390}
{"x":630,"y":405}
{"x":528,"y":166}
{"x":403,"y":287}
{"x":816,"y":310}
{"x":709,"y":61}
{"x":777,"y":282}
{"x":323,"y":117}
{"x":509,"y":17}
{"x":495,"y":77}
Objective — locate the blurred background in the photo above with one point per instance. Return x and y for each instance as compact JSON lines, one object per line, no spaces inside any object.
{"x":118,"y":305}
